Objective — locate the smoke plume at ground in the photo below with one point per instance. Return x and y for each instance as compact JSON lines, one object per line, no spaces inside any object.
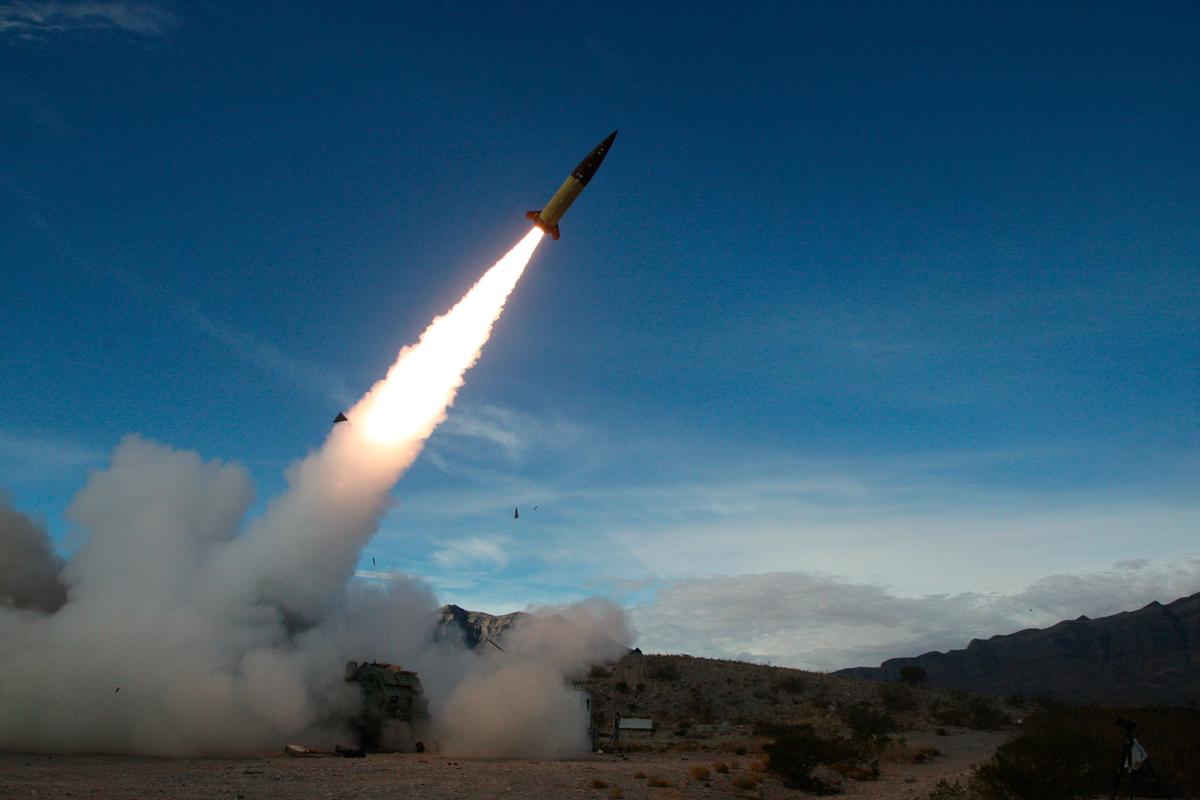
{"x":176,"y":629}
{"x":28,"y":566}
{"x":519,"y":703}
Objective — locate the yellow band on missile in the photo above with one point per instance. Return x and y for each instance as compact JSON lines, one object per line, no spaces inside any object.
{"x":561,"y":201}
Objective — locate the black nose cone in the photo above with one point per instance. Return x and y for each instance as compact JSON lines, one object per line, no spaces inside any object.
{"x":587,"y":168}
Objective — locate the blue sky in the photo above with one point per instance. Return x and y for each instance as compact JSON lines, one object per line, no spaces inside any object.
{"x":886,"y":300}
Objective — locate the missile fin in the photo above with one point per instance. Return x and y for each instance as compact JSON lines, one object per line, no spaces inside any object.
{"x":536,"y":216}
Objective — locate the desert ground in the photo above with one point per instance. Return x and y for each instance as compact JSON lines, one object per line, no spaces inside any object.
{"x":428,"y":775}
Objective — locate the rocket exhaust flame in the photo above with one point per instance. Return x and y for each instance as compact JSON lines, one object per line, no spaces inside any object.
{"x":414,"y":396}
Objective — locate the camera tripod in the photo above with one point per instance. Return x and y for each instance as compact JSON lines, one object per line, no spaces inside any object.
{"x":1134,"y":762}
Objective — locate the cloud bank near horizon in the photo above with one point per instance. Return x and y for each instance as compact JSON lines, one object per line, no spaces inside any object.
{"x":827,"y":622}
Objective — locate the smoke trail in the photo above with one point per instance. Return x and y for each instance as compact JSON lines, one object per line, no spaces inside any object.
{"x":337,"y":495}
{"x":180,"y":636}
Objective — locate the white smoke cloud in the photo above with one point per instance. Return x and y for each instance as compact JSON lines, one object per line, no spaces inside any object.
{"x":187,"y":631}
{"x":520,"y":702}
{"x":28,"y":566}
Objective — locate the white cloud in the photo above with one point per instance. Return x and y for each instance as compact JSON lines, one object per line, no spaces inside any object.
{"x":469,"y":440}
{"x":46,"y":452}
{"x":822,"y":621}
{"x":473,"y":551}
{"x":38,"y":20}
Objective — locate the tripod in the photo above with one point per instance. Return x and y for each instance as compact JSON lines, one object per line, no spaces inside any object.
{"x":1134,"y":762}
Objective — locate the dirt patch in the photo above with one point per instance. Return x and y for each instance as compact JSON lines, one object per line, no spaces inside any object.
{"x":665,"y":775}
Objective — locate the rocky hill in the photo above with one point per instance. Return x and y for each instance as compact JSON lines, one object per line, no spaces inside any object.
{"x":1141,"y":657}
{"x":476,"y":627}
{"x":689,"y":697}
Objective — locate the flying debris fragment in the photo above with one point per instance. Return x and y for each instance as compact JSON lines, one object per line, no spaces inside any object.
{"x":340,"y":418}
{"x":547,"y":217}
{"x":516,"y":513}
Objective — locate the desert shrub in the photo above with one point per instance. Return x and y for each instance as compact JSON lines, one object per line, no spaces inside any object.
{"x":868,"y":722}
{"x":748,"y":782}
{"x":663,"y":671}
{"x":793,"y":684}
{"x":896,"y":697}
{"x":703,"y":711}
{"x":794,"y":756}
{"x":616,"y":793}
{"x":941,"y":731}
{"x":983,"y":714}
{"x":1054,"y":762}
{"x":658,"y":782}
{"x":949,"y":791}
{"x":621,"y":687}
{"x":913,"y":674}
{"x":980,"y":713}
{"x":1017,"y":700}
{"x":1067,"y":752}
{"x":598,"y":784}
{"x":720,"y":767}
{"x":598,"y":672}
{"x":776,"y":729}
{"x":740,"y":751}
{"x":900,"y":752}
{"x":699,"y":773}
{"x":639,"y":775}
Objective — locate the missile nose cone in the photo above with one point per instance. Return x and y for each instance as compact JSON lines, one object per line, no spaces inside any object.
{"x":587,"y":168}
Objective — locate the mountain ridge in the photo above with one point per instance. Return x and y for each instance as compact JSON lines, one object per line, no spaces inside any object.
{"x":1147,"y":656}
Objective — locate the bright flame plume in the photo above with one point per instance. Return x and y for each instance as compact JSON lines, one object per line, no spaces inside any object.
{"x":412,"y":400}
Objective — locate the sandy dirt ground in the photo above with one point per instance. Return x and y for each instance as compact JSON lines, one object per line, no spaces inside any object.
{"x":441,"y":778}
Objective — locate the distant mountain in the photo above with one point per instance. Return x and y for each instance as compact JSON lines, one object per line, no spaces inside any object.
{"x":476,"y":627}
{"x":1141,"y":657}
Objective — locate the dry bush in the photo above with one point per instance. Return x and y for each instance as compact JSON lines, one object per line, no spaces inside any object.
{"x":720,"y":767}
{"x":792,"y":684}
{"x":796,"y":755}
{"x":979,"y":713}
{"x":657,"y":782}
{"x":868,"y":722}
{"x":748,"y":782}
{"x":663,"y":671}
{"x":950,"y":791}
{"x":616,"y":793}
{"x":900,"y":752}
{"x":699,"y":773}
{"x":855,"y":772}
{"x":897,"y":697}
{"x":758,"y":766}
{"x":639,"y":775}
{"x":598,"y":784}
{"x":1067,"y":752}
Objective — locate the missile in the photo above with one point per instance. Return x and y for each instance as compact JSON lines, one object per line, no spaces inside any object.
{"x":547,"y":217}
